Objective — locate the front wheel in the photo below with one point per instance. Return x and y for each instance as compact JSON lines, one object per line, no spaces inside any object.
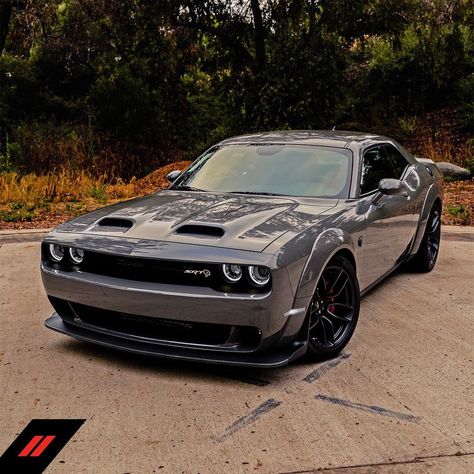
{"x":334,"y":309}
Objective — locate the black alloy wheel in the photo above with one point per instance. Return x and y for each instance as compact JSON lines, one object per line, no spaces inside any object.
{"x":334,"y":309}
{"x":434,"y":237}
{"x":427,"y":255}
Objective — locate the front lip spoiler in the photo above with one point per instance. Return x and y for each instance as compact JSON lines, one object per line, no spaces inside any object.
{"x":271,"y":359}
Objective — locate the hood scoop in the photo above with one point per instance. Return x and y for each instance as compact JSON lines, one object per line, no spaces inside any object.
{"x":197,"y":230}
{"x":113,"y":224}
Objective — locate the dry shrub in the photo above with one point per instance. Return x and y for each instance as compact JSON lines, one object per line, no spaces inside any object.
{"x":440,"y":136}
{"x":157,"y":179}
{"x":44,"y":148}
{"x":67,"y":185}
{"x":444,"y":149}
{"x":52,"y":187}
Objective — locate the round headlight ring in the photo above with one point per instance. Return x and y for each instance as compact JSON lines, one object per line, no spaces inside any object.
{"x":76,"y":255}
{"x":56,"y":252}
{"x":232,"y":273}
{"x":259,"y":276}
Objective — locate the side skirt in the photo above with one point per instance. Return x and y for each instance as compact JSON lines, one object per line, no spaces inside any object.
{"x":385,"y":275}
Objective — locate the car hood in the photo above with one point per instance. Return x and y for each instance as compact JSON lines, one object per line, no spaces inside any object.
{"x":234,"y":221}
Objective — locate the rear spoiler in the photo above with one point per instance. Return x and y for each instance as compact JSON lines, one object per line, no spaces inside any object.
{"x":425,"y":161}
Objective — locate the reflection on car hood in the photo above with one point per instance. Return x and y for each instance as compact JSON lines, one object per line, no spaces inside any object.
{"x":244,"y":222}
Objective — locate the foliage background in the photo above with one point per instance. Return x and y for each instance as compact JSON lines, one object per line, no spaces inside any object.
{"x":114,"y":89}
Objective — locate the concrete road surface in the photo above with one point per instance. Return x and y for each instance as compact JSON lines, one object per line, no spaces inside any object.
{"x":400,"y":398}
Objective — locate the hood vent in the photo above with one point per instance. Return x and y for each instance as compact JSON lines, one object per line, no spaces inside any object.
{"x":113,"y":224}
{"x":200,"y":231}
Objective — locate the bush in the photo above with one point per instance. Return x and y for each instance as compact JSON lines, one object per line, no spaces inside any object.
{"x":466,"y":93}
{"x":460,"y":211}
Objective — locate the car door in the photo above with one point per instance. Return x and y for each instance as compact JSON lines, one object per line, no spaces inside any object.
{"x":389,"y":222}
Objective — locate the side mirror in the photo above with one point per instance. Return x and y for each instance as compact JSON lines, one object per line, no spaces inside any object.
{"x":389,"y":187}
{"x":173,"y":175}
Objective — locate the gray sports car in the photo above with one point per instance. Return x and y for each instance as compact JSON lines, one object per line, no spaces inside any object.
{"x":256,"y":254}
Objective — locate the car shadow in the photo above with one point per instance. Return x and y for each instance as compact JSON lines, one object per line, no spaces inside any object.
{"x":196,"y":370}
{"x":189,"y":370}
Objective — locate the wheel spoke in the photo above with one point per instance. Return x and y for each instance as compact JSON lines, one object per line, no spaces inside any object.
{"x":328,"y":330}
{"x":337,"y":279}
{"x":323,"y":333}
{"x":346,"y":281}
{"x":342,"y":276}
{"x":434,"y":224}
{"x":315,"y":323}
{"x":343,"y":305}
{"x":323,"y":291}
{"x":345,"y":319}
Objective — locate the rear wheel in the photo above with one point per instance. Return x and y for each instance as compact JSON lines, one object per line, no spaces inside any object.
{"x":425,"y":259}
{"x":334,"y":310}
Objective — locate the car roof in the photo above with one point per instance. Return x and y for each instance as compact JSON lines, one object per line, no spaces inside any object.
{"x":336,"y":138}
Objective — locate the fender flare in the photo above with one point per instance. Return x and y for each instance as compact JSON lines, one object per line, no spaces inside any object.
{"x":431,"y":196}
{"x":327,"y":244}
{"x":325,"y":247}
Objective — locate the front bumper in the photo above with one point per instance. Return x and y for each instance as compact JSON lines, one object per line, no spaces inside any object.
{"x":270,"y":315}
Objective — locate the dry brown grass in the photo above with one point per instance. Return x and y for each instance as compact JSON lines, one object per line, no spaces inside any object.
{"x":458,"y":208}
{"x":43,"y":148}
{"x":46,"y":200}
{"x":52,"y":187}
{"x":444,"y":149}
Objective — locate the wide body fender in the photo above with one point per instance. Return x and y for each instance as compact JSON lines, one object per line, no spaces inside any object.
{"x":326,"y":245}
{"x":435,"y":191}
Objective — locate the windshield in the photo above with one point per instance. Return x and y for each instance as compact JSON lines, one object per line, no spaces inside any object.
{"x":289,"y":170}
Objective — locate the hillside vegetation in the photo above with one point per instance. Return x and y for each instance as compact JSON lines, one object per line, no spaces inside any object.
{"x":97,"y":94}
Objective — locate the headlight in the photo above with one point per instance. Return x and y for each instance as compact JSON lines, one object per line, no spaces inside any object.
{"x":77,"y":255}
{"x":232,"y":273}
{"x":259,"y":276}
{"x":56,"y":252}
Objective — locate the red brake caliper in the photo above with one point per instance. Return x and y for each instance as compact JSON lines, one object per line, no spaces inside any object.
{"x":331,"y":300}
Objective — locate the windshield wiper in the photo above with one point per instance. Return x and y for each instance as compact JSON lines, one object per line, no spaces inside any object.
{"x":188,"y":188}
{"x":256,"y":192}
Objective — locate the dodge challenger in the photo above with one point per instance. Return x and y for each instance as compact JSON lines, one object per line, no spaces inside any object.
{"x":257,"y":253}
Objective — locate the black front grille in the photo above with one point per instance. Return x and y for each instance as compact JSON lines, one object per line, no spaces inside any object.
{"x":155,"y":271}
{"x":155,"y":328}
{"x":151,"y":270}
{"x":162,"y":271}
{"x":241,"y":337}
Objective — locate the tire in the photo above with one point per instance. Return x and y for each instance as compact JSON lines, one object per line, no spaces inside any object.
{"x":427,"y":255}
{"x":334,"y":310}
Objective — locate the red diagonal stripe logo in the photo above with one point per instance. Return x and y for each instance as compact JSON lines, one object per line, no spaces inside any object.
{"x":36,"y":446}
{"x":42,"y":446}
{"x":30,"y":446}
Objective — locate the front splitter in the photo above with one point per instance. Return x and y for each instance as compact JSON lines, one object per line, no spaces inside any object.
{"x":277,"y":358}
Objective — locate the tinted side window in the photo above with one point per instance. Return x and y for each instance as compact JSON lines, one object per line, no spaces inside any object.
{"x":398,"y":160}
{"x":376,"y":166}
